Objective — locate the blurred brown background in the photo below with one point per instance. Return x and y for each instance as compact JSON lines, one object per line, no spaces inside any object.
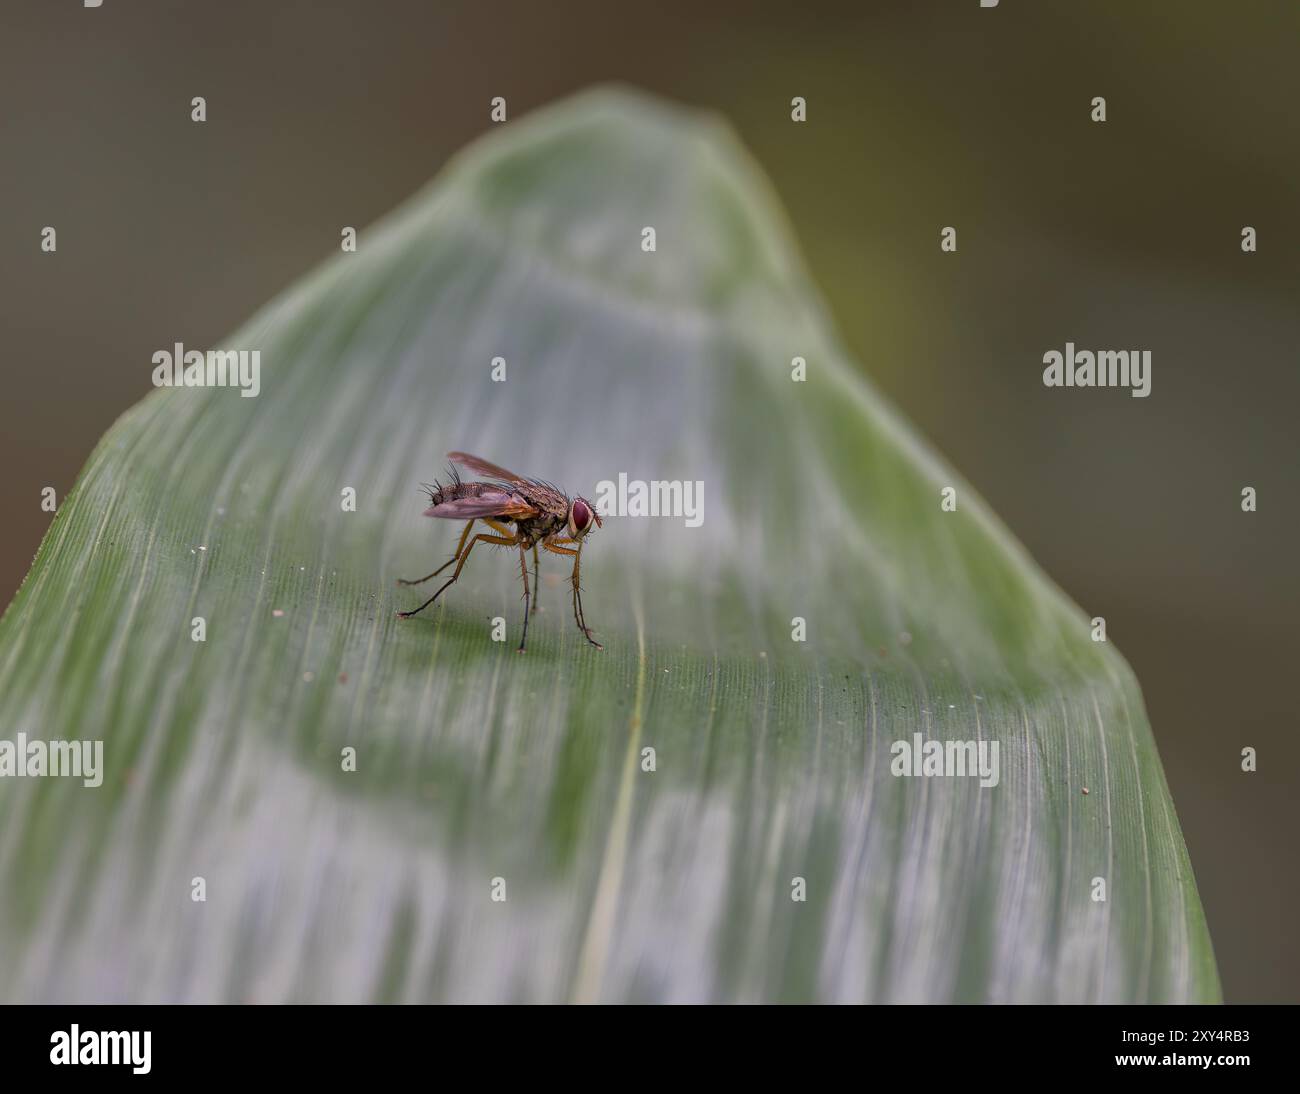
{"x":921,"y":115}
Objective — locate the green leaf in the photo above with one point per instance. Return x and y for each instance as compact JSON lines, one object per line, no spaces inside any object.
{"x":223,"y":758}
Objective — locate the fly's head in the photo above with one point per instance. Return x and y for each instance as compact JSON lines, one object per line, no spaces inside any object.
{"x":582,"y":518}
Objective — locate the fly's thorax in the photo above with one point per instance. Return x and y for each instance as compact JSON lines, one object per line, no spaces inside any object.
{"x":537,"y":528}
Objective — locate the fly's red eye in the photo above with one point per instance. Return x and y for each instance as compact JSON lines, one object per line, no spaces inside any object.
{"x":581,"y":515}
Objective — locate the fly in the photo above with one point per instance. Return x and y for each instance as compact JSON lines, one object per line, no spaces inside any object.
{"x":542,"y":515}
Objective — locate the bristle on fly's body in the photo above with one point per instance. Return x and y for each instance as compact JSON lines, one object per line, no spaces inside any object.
{"x":439,"y":493}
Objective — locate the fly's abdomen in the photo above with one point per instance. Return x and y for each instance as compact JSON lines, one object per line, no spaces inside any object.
{"x":454,"y":491}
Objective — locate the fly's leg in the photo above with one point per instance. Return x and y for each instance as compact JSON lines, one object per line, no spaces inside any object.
{"x":482,"y":537}
{"x":459,"y":547}
{"x":578,"y":616}
{"x":507,"y":532}
{"x":578,"y":613}
{"x":523,"y":572}
{"x":537,"y":585}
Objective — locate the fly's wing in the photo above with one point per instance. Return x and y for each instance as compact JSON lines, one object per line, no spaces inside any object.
{"x":487,"y":503}
{"x":484,"y":467}
{"x":539,"y":496}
